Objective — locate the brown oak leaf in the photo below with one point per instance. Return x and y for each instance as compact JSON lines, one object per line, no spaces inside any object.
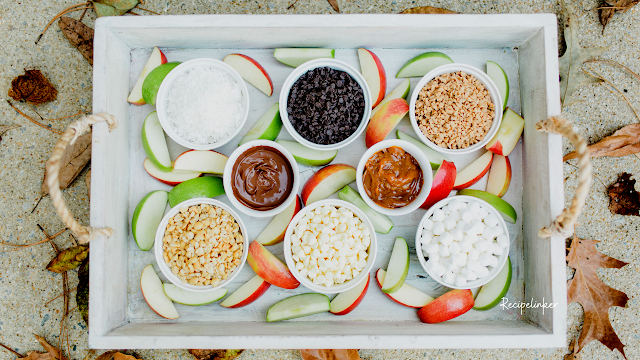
{"x":79,"y":35}
{"x":623,"y":197}
{"x":334,"y":5}
{"x":73,"y":161}
{"x":51,"y":354}
{"x":625,"y":141}
{"x":427,"y":10}
{"x":213,"y":354}
{"x":610,"y":7}
{"x":117,"y":355}
{"x":68,"y":259}
{"x":595,"y":296}
{"x":329,"y":354}
{"x":32,"y":87}
{"x":5,"y":128}
{"x":87,"y":181}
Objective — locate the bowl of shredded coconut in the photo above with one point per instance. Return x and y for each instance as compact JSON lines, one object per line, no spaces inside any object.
{"x":202,"y":104}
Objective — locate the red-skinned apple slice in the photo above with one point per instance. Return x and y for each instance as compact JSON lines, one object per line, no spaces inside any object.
{"x":407,"y":295}
{"x":154,"y":295}
{"x":172,"y":178}
{"x":205,"y":161}
{"x":156,"y":59}
{"x":508,"y":134}
{"x":401,"y":91}
{"x":251,"y":71}
{"x":373,"y":72}
{"x":269,"y":267}
{"x":447,"y":306}
{"x":384,"y":120}
{"x":474,"y":172}
{"x":327,"y":181}
{"x":442,"y":185}
{"x":499,"y":176}
{"x":247,"y":293}
{"x":274,"y":232}
{"x":345,"y":302}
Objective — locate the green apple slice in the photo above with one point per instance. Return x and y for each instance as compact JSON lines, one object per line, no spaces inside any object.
{"x":193,"y":298}
{"x":398,"y":267}
{"x":499,"y":77}
{"x":420,"y":65}
{"x":147,"y":217}
{"x":401,"y":91}
{"x":154,"y":143}
{"x":492,"y":292}
{"x":153,"y":80}
{"x":206,"y":186}
{"x":504,"y":208}
{"x":381,"y":223}
{"x":298,"y":56}
{"x":435,"y":158}
{"x":298,"y":306}
{"x":307,"y":156}
{"x":267,"y":127}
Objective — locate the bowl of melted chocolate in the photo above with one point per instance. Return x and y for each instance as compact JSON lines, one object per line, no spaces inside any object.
{"x":261,"y":178}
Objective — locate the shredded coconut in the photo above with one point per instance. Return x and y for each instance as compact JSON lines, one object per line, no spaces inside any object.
{"x":205,"y":105}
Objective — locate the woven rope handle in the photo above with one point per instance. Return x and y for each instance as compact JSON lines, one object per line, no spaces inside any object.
{"x":52,"y":169}
{"x":565,"y":222}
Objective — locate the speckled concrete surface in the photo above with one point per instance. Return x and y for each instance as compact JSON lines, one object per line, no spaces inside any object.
{"x":25,"y":286}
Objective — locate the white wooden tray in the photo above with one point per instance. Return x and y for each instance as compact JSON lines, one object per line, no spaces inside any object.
{"x":525,"y":45}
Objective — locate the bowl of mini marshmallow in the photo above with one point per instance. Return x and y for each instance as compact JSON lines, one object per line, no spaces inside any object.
{"x":462,"y":242}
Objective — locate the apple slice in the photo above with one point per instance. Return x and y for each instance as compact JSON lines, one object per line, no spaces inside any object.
{"x":269,"y":267}
{"x":447,"y":306}
{"x":398,"y":267}
{"x":508,"y":134}
{"x":298,"y":56}
{"x":442,"y":185}
{"x":267,"y":127}
{"x":499,"y":176}
{"x":345,"y":302}
{"x":499,"y":77}
{"x":420,"y":65}
{"x":504,"y":208}
{"x":206,"y":186}
{"x":172,"y":177}
{"x":154,"y":142}
{"x":247,"y":293}
{"x":274,"y":232}
{"x":156,"y":59}
{"x":251,"y":71}
{"x":492,"y":292}
{"x":308,"y":156}
{"x":152,"y":82}
{"x":407,"y":295}
{"x":400,"y":92}
{"x":298,"y":306}
{"x":205,"y":161}
{"x":473,"y":172}
{"x":147,"y":217}
{"x":373,"y":72}
{"x":384,"y":120}
{"x":153,"y":294}
{"x":435,"y":158}
{"x":381,"y":223}
{"x":193,"y":298}
{"x":327,"y":181}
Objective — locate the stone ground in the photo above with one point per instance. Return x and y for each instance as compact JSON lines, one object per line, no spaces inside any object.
{"x":25,"y":286}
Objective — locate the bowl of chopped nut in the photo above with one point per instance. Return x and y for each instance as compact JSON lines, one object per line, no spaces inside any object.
{"x":455,"y":109}
{"x":200,"y":244}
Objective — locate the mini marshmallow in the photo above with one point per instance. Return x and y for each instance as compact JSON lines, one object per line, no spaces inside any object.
{"x":425,"y":239}
{"x":449,"y":223}
{"x":426,"y":232}
{"x":476,"y":227}
{"x":430,"y":265}
{"x":448,"y":277}
{"x":485,"y":259}
{"x":460,"y":281}
{"x":445,"y":239}
{"x":465,"y":246}
{"x":466,"y":215}
{"x":497,"y":250}
{"x":491,"y":220}
{"x":449,"y":264}
{"x":438,"y":228}
{"x":454,"y":248}
{"x":454,"y":205}
{"x":473,"y":254}
{"x":446,"y":210}
{"x":425,"y":253}
{"x":456,"y":270}
{"x":438,"y":215}
{"x":455,"y":215}
{"x":457,"y":234}
{"x":481,"y":245}
{"x":460,"y":259}
{"x":482,"y":272}
{"x":438,"y":269}
{"x":464,"y":272}
{"x":471,"y":276}
{"x":498,"y":230}
{"x":443,"y":250}
{"x":494,"y":261}
{"x":431,"y":248}
{"x":502,"y":241}
{"x":482,"y":213}
{"x":473,"y":265}
{"x":434,"y":256}
{"x":488,"y":233}
{"x":474,"y":207}
{"x":471,"y":237}
{"x":427,"y":224}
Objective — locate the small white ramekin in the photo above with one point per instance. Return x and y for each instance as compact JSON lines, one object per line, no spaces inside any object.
{"x":164,"y":268}
{"x":502,"y":259}
{"x":163,"y":93}
{"x":484,"y":80}
{"x":425,"y":166}
{"x":228,"y":172}
{"x":337,"y":65}
{"x":373,"y":247}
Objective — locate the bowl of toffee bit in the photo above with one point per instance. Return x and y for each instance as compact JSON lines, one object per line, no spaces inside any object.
{"x":325,"y":104}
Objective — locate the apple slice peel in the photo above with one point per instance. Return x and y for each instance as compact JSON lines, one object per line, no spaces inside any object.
{"x":307,"y":156}
{"x":420,"y":65}
{"x":275,"y":230}
{"x":297,"y":56}
{"x":172,"y":177}
{"x":298,"y":306}
{"x":207,"y":186}
{"x":400,"y":92}
{"x":155,"y":143}
{"x":398,"y":267}
{"x":373,"y":72}
{"x":204,"y":161}
{"x":153,"y":293}
{"x":491,"y":293}
{"x":473,"y":172}
{"x":407,"y":295}
{"x":247,"y":293}
{"x":147,"y":217}
{"x":267,"y":127}
{"x":327,"y":181}
{"x":499,"y":77}
{"x":347,"y":301}
{"x":251,"y":71}
{"x":156,"y":59}
{"x":192,"y":298}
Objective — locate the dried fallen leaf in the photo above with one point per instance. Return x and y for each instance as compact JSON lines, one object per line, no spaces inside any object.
{"x":610,"y":7}
{"x":119,"y":4}
{"x":74,"y":160}
{"x":329,"y":354}
{"x":106,"y":10}
{"x":5,"y":128}
{"x":121,"y":356}
{"x":79,"y":35}
{"x":427,"y":10}
{"x":82,"y":292}
{"x":51,"y":354}
{"x":623,"y":197}
{"x":625,"y":141}
{"x":595,"y":296}
{"x":573,"y":355}
{"x":571,"y":75}
{"x":68,"y":259}
{"x":107,"y":355}
{"x":117,"y":355}
{"x":334,"y":5}
{"x":87,"y":181}
{"x":32,"y":87}
{"x":212,"y":354}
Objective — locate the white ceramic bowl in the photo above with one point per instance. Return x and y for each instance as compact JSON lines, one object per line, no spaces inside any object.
{"x":337,"y":65}
{"x":427,"y":176}
{"x":502,"y":259}
{"x":228,"y":171}
{"x":163,"y":94}
{"x":347,"y":284}
{"x":488,"y":84}
{"x":157,"y":246}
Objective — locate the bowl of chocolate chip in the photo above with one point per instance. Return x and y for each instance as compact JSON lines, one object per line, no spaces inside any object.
{"x":325,"y":104}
